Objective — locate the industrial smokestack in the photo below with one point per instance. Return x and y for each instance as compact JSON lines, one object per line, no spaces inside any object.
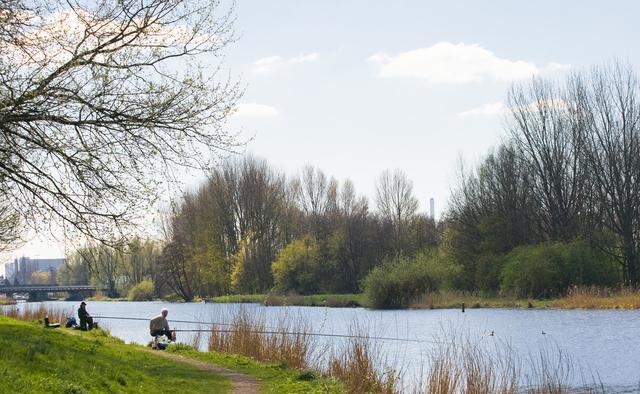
{"x":432,"y":208}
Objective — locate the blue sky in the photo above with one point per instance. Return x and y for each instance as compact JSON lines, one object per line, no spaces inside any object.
{"x":357,"y":87}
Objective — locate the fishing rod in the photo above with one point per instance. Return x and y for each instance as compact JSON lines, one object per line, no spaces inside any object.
{"x":172,"y":320}
{"x":269,"y":331}
{"x":316,"y":334}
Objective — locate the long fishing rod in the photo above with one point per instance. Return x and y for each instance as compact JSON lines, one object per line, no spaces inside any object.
{"x":270,"y":332}
{"x":315,"y":334}
{"x":172,"y":320}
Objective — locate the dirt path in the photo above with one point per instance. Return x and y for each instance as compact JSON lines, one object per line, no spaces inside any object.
{"x":242,"y":384}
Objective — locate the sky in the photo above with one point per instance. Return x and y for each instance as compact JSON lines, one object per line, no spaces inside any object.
{"x":357,"y":87}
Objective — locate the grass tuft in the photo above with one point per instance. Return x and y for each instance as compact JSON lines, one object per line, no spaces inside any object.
{"x":287,"y":343}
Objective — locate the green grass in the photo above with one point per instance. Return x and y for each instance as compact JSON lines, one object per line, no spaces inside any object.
{"x":238,"y":298}
{"x":330,"y":300}
{"x":39,"y":360}
{"x":274,"y":378}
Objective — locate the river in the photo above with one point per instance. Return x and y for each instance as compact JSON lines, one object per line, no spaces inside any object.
{"x":604,"y":345}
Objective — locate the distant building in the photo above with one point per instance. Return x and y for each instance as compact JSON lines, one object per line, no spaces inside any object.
{"x":20,"y":270}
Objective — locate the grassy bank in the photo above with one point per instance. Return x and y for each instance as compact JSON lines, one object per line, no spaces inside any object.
{"x":41,"y":360}
{"x":576,"y":298}
{"x":330,"y":300}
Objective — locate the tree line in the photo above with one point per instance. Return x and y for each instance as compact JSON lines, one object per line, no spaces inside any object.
{"x":252,"y":229}
{"x":568,"y":171}
{"x":556,"y":204}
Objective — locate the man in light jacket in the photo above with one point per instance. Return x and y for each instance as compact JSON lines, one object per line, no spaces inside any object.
{"x":160,"y":326}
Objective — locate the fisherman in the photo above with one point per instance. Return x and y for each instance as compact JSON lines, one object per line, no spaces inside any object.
{"x":160,"y":326}
{"x":86,"y":321}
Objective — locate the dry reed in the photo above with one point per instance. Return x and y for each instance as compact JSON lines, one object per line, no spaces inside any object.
{"x":356,"y":368}
{"x":288,"y":343}
{"x":599,"y":298}
{"x":197,"y":338}
{"x":36,"y":313}
{"x":462,"y":367}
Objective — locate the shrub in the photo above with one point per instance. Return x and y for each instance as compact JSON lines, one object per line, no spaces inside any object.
{"x":397,"y":283}
{"x":549,"y":269}
{"x":295,"y":269}
{"x":143,"y":291}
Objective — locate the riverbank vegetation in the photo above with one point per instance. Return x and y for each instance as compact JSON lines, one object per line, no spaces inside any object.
{"x":552,"y":207}
{"x":39,"y":360}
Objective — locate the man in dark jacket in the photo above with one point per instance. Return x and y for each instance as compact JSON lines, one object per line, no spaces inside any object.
{"x":86,"y":321}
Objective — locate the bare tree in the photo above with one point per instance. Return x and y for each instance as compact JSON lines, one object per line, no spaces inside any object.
{"x":396,"y":203}
{"x":99,"y":102}
{"x":608,"y":110}
{"x":541,"y":126}
{"x":315,"y":191}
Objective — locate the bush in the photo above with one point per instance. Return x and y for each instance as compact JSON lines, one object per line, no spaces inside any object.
{"x":549,"y":269}
{"x":296,"y":267}
{"x":143,"y":291}
{"x":397,"y":283}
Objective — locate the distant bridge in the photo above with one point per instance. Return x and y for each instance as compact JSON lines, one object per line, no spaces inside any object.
{"x":39,"y":292}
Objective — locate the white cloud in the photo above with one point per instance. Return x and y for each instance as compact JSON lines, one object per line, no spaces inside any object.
{"x":254,"y":110}
{"x":302,"y":58}
{"x":491,"y":109}
{"x":269,"y":64}
{"x":446,"y":62}
{"x":499,"y":108}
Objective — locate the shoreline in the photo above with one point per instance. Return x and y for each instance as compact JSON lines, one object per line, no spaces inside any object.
{"x":587,"y":299}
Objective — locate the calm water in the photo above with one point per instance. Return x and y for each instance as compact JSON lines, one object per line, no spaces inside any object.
{"x":605,"y":344}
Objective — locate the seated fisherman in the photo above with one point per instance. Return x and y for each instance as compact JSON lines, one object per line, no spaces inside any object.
{"x":159,"y":325}
{"x":86,"y":321}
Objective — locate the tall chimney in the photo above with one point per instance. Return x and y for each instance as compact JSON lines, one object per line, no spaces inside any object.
{"x":432,"y":208}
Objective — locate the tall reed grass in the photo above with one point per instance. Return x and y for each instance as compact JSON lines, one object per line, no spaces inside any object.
{"x":599,"y":298}
{"x":356,"y":368}
{"x":37,"y":312}
{"x":288,"y":342}
{"x":460,"y":366}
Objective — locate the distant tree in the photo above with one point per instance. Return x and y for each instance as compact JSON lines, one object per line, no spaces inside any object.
{"x":40,"y":278}
{"x":491,"y":211}
{"x":296,"y":267}
{"x":542,"y":129}
{"x":104,"y":264}
{"x":607,"y":109}
{"x":74,"y":271}
{"x":396,"y":203}
{"x":99,"y":101}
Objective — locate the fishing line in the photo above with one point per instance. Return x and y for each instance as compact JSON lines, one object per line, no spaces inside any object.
{"x":272,"y":332}
{"x":172,"y":320}
{"x":319,"y":335}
